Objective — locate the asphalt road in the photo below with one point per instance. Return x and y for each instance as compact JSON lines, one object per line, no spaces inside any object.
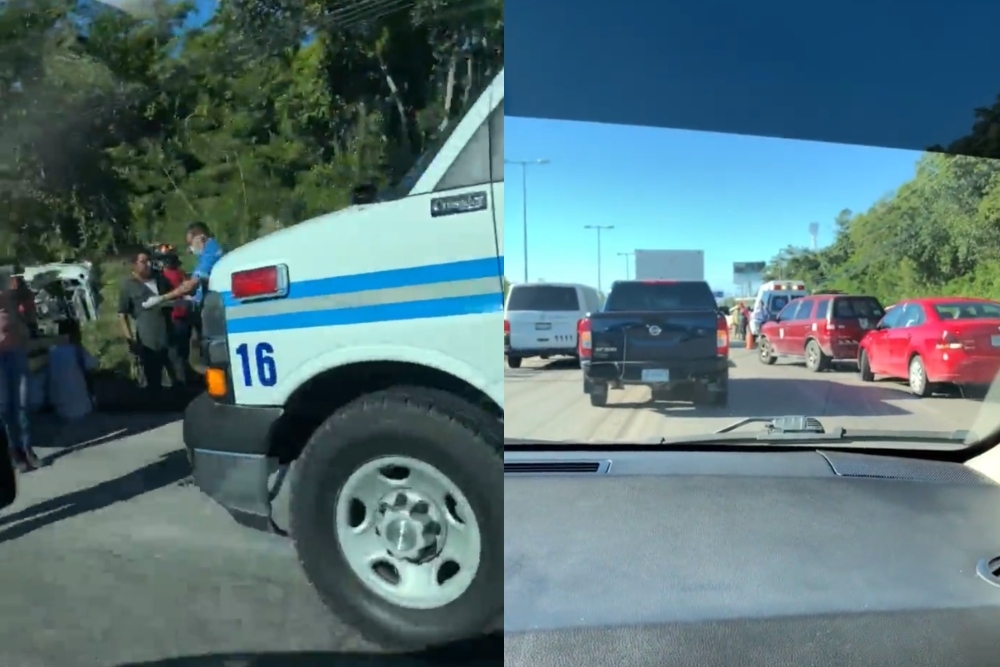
{"x":109,"y":557}
{"x":546,"y":401}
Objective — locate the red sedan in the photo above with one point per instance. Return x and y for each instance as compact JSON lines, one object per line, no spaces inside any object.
{"x":934,"y":341}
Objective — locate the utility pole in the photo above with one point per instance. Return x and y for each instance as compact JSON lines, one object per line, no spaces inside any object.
{"x":524,"y":164}
{"x":599,"y":228}
{"x":628,"y":263}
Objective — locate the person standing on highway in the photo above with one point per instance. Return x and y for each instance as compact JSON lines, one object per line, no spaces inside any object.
{"x":149,"y":338}
{"x":180,"y":332}
{"x":744,"y":321}
{"x":14,"y":372}
{"x":208,"y":251}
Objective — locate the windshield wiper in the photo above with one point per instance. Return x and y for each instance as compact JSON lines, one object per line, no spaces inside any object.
{"x":789,"y":430}
{"x":796,"y":428}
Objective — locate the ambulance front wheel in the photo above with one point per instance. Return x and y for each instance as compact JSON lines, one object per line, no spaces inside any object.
{"x":397,"y":517}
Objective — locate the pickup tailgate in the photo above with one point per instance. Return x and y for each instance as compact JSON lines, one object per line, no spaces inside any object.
{"x":654,"y":337}
{"x":656,"y":322}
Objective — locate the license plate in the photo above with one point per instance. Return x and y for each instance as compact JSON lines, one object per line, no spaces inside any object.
{"x":543,"y":326}
{"x":995,"y":340}
{"x":655,"y":375}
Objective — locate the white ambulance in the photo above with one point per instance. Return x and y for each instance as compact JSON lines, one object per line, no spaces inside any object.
{"x":361,"y":352}
{"x":771,"y":298}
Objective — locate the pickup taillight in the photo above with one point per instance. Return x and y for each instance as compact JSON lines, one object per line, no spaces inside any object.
{"x":583,"y":342}
{"x":722,"y":337}
{"x":506,"y":327}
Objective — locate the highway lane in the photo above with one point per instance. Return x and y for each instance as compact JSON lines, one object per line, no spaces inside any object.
{"x":545,"y":400}
{"x":110,"y":557}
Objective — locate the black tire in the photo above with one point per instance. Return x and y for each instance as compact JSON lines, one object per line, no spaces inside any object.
{"x":719,"y":399}
{"x":514,"y":362}
{"x":599,"y":396}
{"x":463,"y":442}
{"x":720,"y":396}
{"x":765,"y":354}
{"x":865,"y":368}
{"x":660,"y":395}
{"x":816,"y":360}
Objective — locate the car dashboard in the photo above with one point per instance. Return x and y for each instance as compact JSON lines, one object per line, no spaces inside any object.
{"x":794,"y":558}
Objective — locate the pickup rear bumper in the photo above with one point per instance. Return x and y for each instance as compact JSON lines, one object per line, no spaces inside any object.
{"x":697,"y":371}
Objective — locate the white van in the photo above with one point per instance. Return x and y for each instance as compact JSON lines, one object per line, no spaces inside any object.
{"x":540,"y":319}
{"x":771,"y":298}
{"x":352,"y":355}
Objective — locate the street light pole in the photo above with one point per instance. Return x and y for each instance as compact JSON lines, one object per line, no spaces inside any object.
{"x":627,"y":255}
{"x":598,"y":228}
{"x":524,"y":164}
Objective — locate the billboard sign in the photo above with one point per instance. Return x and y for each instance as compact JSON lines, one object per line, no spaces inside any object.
{"x":748,"y":273}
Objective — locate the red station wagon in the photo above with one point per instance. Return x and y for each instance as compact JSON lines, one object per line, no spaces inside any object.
{"x":935,"y":341}
{"x":819,"y":329}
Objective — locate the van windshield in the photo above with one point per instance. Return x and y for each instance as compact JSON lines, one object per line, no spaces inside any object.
{"x":434,"y":139}
{"x":776,"y":302}
{"x":543,"y":297}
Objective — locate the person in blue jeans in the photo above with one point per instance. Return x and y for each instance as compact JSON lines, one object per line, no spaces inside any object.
{"x":14,"y":372}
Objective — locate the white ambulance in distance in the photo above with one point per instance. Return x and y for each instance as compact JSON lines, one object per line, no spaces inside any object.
{"x":360,"y":352}
{"x":771,"y":298}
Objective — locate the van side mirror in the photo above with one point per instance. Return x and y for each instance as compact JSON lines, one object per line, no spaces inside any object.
{"x":364,"y":194}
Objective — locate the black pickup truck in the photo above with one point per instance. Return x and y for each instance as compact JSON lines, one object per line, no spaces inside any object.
{"x":667,"y":335}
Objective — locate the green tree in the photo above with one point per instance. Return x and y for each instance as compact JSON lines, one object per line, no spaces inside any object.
{"x":116,"y":130}
{"x":937,"y":234}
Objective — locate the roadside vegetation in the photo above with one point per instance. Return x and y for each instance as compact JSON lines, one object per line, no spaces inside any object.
{"x":116,"y":131}
{"x":937,"y":234}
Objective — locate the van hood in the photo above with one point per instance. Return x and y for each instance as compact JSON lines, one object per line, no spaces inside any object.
{"x":273,"y":247}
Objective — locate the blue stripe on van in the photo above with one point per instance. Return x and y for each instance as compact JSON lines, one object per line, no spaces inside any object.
{"x":472,"y":269}
{"x":390,"y":312}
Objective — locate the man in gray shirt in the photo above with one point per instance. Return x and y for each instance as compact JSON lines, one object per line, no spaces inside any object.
{"x":148,"y":332}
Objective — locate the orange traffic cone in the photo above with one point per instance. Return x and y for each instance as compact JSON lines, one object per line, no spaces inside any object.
{"x":750,"y":340}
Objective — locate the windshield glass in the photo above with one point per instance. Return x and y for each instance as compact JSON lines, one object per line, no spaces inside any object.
{"x":851,"y":307}
{"x":776,"y":302}
{"x":724,"y":207}
{"x":543,"y":297}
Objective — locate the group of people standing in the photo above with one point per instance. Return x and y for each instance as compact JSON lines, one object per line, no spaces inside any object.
{"x":159,"y":311}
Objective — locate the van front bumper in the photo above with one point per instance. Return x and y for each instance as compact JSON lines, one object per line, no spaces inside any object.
{"x":228,"y":446}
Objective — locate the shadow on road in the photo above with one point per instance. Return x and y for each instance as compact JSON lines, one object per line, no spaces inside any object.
{"x":169,"y":469}
{"x":761,"y":397}
{"x":470,"y":653}
{"x":98,"y":428}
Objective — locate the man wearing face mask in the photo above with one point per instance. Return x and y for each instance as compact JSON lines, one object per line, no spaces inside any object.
{"x":208,"y":251}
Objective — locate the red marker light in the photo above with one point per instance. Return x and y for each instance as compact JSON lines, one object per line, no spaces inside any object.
{"x":265,"y":282}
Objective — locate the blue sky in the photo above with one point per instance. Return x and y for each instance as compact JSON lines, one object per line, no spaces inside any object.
{"x":739,"y":198}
